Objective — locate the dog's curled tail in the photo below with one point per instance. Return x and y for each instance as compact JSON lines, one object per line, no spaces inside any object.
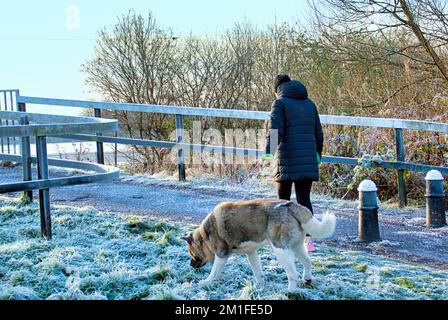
{"x":320,"y":229}
{"x":312,"y":226}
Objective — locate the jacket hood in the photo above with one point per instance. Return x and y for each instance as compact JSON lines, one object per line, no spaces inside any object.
{"x":293,"y":90}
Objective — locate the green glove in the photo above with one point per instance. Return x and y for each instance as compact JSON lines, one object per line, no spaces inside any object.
{"x":267,"y":156}
{"x":318,"y":159}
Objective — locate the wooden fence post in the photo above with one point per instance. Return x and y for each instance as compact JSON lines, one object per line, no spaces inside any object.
{"x":99,"y":145}
{"x":180,"y":152}
{"x":26,"y":154}
{"x":44,"y":194}
{"x":400,"y":173}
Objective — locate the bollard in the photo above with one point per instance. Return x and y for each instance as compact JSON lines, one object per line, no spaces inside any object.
{"x":368,"y":229}
{"x":435,"y":200}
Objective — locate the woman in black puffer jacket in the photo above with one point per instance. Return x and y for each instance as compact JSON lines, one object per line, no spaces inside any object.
{"x":300,"y":140}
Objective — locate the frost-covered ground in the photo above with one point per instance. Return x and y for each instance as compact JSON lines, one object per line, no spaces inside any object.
{"x":403,"y":230}
{"x":98,"y":255}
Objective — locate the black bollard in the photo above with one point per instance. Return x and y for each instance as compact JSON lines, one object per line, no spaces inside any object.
{"x":435,"y":200}
{"x":368,"y":229}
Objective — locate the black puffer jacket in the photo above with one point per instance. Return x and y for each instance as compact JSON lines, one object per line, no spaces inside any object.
{"x":300,"y":135}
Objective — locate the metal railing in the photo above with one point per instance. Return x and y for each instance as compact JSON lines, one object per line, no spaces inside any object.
{"x":398,"y":125}
{"x":8,"y":103}
{"x":23,"y":125}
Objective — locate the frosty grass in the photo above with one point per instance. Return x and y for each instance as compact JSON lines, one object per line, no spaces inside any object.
{"x":96,"y":255}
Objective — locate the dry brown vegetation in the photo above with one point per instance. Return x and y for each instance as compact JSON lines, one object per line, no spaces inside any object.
{"x":366,"y":58}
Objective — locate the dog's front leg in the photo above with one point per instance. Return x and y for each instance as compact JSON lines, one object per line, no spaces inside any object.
{"x":255,"y":264}
{"x":218,"y":264}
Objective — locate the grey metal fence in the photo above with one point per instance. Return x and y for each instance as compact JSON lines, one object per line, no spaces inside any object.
{"x":398,"y":125}
{"x":8,"y":103}
{"x":21,"y":126}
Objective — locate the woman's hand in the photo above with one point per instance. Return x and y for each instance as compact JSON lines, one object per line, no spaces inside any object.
{"x":267,"y":156}
{"x":264,"y":158}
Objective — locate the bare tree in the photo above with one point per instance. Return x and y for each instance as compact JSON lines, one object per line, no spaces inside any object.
{"x":134,"y":64}
{"x":409,"y":35}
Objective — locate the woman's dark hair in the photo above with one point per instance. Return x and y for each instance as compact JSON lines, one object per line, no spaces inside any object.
{"x":279,"y":79}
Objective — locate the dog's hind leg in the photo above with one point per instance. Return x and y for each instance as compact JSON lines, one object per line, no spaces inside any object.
{"x":304,"y":258}
{"x":286,"y":258}
{"x":255,"y":264}
{"x":218,"y":264}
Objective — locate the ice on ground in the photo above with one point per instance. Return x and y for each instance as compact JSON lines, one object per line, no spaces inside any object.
{"x":252,"y":186}
{"x":383,"y":244}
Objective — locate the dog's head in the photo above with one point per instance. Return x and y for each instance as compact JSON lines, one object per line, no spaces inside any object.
{"x":199,"y":250}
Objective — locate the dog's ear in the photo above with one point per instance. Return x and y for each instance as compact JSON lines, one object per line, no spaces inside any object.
{"x":283,"y":204}
{"x":189,"y":239}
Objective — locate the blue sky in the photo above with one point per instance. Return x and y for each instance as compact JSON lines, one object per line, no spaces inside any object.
{"x":43,"y":43}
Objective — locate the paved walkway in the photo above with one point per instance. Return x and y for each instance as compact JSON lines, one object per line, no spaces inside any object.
{"x":404,"y":234}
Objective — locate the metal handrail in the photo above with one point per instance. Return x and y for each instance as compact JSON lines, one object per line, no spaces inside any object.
{"x":398,"y":125}
{"x":41,"y":126}
{"x":49,"y":125}
{"x":102,"y":174}
{"x":238,"y":114}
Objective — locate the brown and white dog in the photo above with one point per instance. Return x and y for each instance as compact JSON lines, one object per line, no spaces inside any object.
{"x":244,"y":226}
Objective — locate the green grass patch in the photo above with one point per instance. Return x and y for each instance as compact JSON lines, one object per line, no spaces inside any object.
{"x":361,"y":267}
{"x":405,"y":282}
